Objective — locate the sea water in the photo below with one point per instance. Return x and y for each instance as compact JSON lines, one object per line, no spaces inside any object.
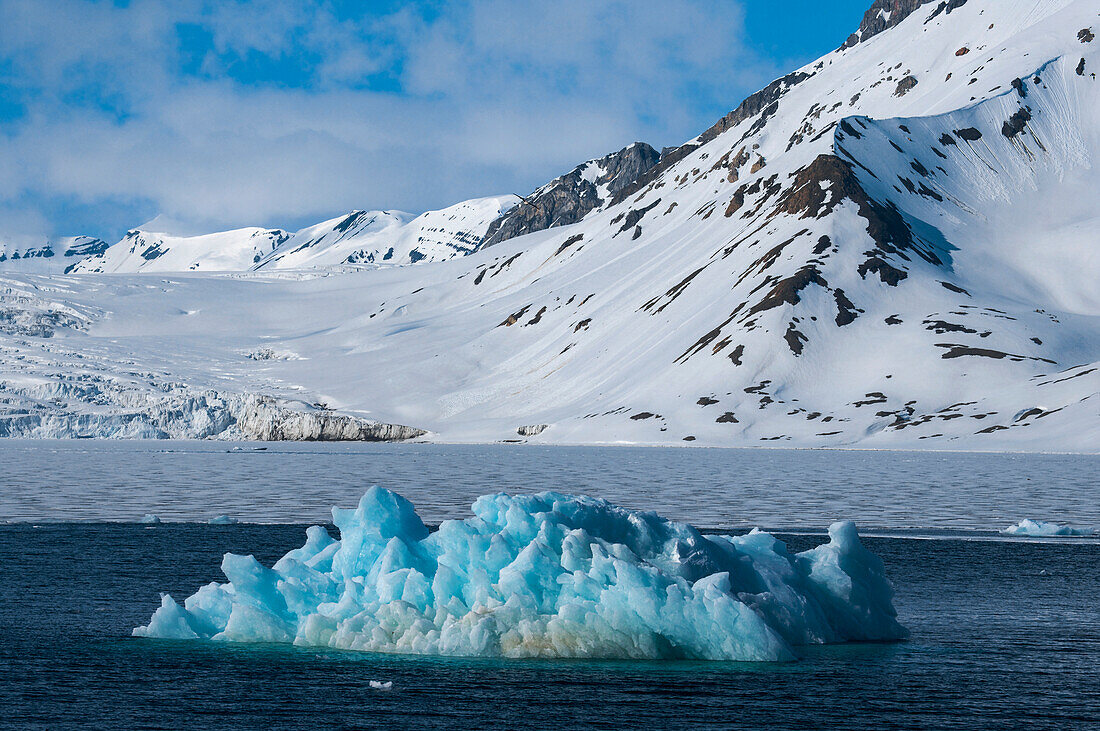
{"x":1003,"y":631}
{"x":712,"y":488}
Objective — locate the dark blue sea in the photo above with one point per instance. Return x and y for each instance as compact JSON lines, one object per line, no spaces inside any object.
{"x":1005,"y":633}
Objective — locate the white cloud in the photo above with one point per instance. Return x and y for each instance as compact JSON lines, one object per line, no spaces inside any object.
{"x":489,"y":96}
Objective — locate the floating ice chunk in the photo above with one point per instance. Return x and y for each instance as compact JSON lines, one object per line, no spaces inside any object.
{"x":379,"y":685}
{"x":1038,"y":528}
{"x":150,"y":519}
{"x":223,"y":520}
{"x":545,"y":575}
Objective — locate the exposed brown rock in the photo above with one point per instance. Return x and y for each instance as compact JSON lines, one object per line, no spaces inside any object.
{"x":905,"y":85}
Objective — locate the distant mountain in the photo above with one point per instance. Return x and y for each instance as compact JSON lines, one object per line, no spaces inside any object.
{"x":49,"y":256}
{"x":893,"y":246}
{"x":359,"y":238}
{"x":391,"y":237}
{"x":368,"y":238}
{"x":146,"y":251}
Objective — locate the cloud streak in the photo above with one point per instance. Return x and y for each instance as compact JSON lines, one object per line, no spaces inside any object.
{"x":274,"y":113}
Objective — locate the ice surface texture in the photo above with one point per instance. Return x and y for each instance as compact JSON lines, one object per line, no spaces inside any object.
{"x":545,"y":575}
{"x":1037,"y":528}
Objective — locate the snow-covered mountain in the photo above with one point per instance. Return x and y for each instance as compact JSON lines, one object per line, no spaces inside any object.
{"x":359,"y":238}
{"x":896,"y":245}
{"x":48,"y":256}
{"x":146,"y":251}
{"x":391,"y":237}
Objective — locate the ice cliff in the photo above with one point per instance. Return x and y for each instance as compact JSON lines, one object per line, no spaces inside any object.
{"x":545,"y":575}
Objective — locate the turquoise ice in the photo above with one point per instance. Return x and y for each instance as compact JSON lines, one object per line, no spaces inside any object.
{"x":1040,"y":528}
{"x":546,"y":575}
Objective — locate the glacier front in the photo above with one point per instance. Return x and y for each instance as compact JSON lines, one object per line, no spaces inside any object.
{"x":546,"y":575}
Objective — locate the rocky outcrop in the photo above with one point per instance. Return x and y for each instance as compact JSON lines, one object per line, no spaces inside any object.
{"x":762,"y":104}
{"x":885,"y":14}
{"x":572,"y":196}
{"x":81,"y":246}
{"x":67,"y":249}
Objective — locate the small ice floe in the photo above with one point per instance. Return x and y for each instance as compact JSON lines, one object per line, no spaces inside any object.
{"x":379,"y":685}
{"x":150,"y":519}
{"x":1039,"y":528}
{"x":223,"y":520}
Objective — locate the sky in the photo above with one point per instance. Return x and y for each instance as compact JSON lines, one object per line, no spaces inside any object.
{"x":212,"y":114}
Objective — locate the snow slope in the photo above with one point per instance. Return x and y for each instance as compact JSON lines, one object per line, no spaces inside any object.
{"x":892,"y":246}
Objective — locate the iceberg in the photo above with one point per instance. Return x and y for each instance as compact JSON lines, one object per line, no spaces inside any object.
{"x":150,"y":519}
{"x":222,"y":520}
{"x":1039,"y":528}
{"x":546,"y":575}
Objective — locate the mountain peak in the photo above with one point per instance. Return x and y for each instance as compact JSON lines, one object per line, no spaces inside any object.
{"x":885,"y":14}
{"x":569,"y":198}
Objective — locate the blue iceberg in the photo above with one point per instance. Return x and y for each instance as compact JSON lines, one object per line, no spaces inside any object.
{"x":545,"y":575}
{"x":1041,"y":528}
{"x":222,"y":520}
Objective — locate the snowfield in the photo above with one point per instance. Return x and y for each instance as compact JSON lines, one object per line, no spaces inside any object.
{"x":544,"y":575}
{"x":894,"y":246}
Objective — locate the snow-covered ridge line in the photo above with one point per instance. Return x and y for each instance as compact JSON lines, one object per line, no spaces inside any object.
{"x":360,"y":238}
{"x":48,"y":256}
{"x":568,"y":198}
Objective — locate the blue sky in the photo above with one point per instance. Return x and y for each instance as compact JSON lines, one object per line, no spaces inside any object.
{"x":221,"y":113}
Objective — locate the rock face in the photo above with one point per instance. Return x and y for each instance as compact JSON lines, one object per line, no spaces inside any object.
{"x":885,"y":14}
{"x":81,"y":246}
{"x":762,"y":105}
{"x":573,"y":196}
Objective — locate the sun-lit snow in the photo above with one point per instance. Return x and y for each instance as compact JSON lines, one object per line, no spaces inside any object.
{"x":360,"y":238}
{"x":544,"y":575}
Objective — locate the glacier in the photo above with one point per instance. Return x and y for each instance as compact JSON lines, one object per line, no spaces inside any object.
{"x":546,"y":575}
